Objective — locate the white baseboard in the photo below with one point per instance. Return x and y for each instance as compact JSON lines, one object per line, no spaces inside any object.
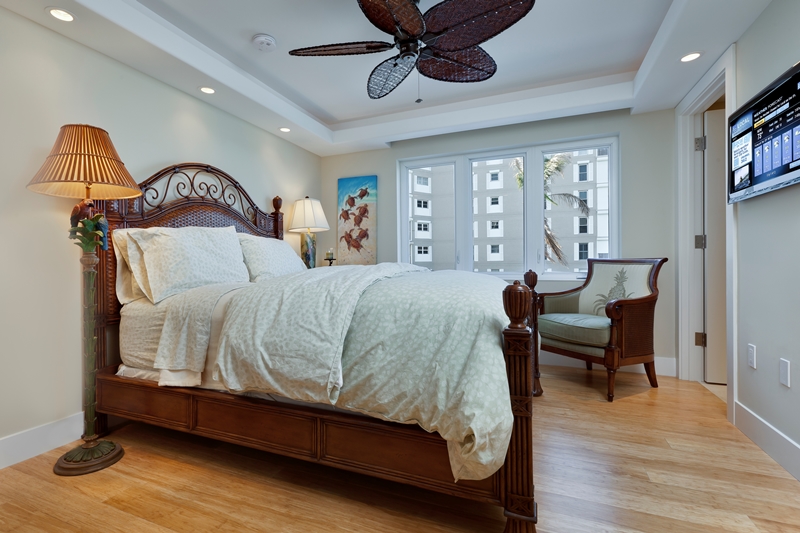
{"x":665,"y":366}
{"x":779,"y":446}
{"x":36,"y":441}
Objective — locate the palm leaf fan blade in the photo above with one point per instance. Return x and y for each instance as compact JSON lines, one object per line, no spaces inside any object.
{"x":458,"y":24}
{"x":344,"y":49}
{"x":463,"y":66}
{"x":391,"y":15}
{"x":387,"y":76}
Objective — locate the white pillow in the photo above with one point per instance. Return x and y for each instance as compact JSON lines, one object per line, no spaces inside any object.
{"x":128,"y":289}
{"x":268,"y":258}
{"x":168,"y":261}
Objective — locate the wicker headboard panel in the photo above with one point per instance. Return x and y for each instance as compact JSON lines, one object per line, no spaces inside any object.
{"x":188,"y":194}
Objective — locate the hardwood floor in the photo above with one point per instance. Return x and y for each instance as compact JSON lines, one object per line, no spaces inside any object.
{"x":654,"y":460}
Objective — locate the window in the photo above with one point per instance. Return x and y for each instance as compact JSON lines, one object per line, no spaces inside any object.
{"x":583,"y":172}
{"x":494,"y":229}
{"x":423,"y":255}
{"x":423,"y":208}
{"x":580,"y":217}
{"x":556,"y":208}
{"x":423,"y":231}
{"x":494,"y":252}
{"x":429,"y":212}
{"x":494,"y":204}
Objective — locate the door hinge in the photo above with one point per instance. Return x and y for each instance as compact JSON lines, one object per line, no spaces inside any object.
{"x":700,"y":339}
{"x":700,"y":242}
{"x":700,"y":143}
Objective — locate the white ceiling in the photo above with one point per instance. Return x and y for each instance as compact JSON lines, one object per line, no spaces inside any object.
{"x":566,"y":57}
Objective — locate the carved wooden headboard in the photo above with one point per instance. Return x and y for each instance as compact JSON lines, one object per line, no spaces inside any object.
{"x":188,"y":194}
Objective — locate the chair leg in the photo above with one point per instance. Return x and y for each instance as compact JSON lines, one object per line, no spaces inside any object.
{"x":650,"y":370}
{"x":611,"y":375}
{"x":588,"y":365}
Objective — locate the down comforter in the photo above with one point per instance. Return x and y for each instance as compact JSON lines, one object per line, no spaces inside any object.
{"x":392,"y":341}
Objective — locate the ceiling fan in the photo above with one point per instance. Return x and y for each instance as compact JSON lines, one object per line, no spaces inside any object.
{"x":442,"y":43}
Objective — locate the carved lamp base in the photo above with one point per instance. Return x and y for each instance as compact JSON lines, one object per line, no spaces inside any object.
{"x":91,"y":456}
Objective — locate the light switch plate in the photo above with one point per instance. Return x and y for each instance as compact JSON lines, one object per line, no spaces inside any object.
{"x":785,"y":376}
{"x":751,"y":355}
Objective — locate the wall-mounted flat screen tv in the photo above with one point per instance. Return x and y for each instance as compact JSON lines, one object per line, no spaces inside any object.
{"x":765,"y":140}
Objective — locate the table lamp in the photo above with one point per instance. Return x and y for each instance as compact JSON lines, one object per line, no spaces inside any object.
{"x":307,"y":219}
{"x":84,"y":164}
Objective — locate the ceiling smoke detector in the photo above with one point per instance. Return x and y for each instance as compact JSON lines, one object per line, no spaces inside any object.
{"x":264,"y":42}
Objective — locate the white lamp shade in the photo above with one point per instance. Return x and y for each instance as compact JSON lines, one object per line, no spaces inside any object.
{"x":308,"y":216}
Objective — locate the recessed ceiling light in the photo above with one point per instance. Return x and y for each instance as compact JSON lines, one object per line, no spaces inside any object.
{"x":207,"y":90}
{"x":285,"y":130}
{"x":690,"y":57}
{"x":61,"y":14}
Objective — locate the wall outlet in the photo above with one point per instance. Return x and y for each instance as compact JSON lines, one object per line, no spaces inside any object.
{"x":751,"y":355}
{"x":785,"y":376}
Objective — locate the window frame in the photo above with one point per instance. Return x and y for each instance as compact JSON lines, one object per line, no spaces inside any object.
{"x":533,"y":204}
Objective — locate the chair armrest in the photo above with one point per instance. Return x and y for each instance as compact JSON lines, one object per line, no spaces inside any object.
{"x":632,"y":323}
{"x":616,"y":309}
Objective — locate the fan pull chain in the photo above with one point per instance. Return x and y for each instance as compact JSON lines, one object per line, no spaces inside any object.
{"x":418,"y":100}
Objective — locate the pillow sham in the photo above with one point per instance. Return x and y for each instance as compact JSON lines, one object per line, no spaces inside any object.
{"x":128,"y":289}
{"x":267,"y":258}
{"x":168,"y":261}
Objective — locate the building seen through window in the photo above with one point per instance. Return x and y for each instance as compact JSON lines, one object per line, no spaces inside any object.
{"x":483,"y":214}
{"x":577,"y":193}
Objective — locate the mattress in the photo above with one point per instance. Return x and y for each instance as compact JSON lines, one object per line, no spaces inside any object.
{"x":140,"y":332}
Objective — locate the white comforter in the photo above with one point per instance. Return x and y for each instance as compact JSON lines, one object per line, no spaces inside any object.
{"x":420,"y":347}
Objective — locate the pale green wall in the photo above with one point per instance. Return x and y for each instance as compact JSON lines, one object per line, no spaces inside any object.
{"x":47,"y":80}
{"x":647,"y":150}
{"x":768,"y":236}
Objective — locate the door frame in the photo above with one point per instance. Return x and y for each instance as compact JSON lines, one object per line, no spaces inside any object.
{"x":720,"y":79}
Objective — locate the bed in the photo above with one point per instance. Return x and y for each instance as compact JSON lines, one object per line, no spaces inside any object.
{"x":194,"y":194}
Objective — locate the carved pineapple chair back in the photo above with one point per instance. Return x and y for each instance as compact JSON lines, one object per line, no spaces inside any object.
{"x":608,"y":320}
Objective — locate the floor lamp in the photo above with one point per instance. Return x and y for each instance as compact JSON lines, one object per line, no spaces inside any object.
{"x":84,"y":164}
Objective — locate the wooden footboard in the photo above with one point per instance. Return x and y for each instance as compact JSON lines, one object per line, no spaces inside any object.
{"x":399,"y":452}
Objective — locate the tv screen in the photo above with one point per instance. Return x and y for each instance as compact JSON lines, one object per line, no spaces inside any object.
{"x":765,"y":140}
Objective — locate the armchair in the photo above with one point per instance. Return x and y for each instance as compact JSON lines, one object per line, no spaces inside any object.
{"x":608,"y":320}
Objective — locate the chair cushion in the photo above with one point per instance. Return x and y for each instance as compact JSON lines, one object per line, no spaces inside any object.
{"x":590,"y":330}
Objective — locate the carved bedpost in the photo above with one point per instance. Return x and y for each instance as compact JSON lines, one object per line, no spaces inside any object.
{"x":277,"y":202}
{"x":520,"y":507}
{"x":531,"y":278}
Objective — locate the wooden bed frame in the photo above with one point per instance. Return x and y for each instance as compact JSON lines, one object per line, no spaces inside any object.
{"x":194,"y":194}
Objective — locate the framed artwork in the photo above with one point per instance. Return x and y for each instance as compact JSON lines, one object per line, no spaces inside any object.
{"x":357,"y":221}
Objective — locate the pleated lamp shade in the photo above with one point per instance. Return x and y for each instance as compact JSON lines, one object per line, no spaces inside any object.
{"x":308,"y":216}
{"x":83,"y":156}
